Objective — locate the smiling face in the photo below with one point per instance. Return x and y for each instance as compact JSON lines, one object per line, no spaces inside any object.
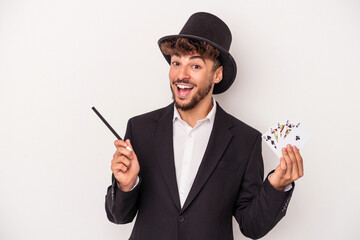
{"x":192,"y":80}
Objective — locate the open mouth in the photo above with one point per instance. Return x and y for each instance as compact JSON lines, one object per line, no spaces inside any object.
{"x":184,"y":89}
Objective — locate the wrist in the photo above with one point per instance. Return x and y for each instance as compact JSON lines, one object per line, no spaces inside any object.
{"x":274,"y":185}
{"x":127,"y":187}
{"x":279,"y":188}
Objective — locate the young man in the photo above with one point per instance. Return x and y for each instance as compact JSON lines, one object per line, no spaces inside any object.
{"x":191,"y":166}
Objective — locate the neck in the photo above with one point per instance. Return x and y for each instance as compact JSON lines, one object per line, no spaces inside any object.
{"x":200,"y":111}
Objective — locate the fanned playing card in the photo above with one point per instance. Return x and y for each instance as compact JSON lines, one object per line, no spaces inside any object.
{"x":271,"y":138}
{"x":286,"y":132}
{"x":298,"y":136}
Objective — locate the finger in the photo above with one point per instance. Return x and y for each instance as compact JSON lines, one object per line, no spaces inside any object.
{"x":299,"y":161}
{"x":290,"y":152}
{"x":123,"y":151}
{"x":120,"y":143}
{"x":288,"y":163}
{"x":295,"y":170}
{"x":282,"y":165}
{"x":121,"y":160}
{"x":124,"y":161}
{"x":281,"y":168}
{"x":119,"y":168}
{"x":129,"y":147}
{"x":123,"y":168}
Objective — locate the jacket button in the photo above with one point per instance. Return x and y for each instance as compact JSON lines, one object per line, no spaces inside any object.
{"x":181,"y":219}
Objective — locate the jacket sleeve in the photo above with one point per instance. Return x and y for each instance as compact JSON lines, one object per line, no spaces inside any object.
{"x":259,"y":206}
{"x":121,"y":207}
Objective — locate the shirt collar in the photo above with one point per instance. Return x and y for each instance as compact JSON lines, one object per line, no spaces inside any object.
{"x":210,"y":116}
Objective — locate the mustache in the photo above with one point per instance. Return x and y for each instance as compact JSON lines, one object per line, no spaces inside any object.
{"x":177,"y":81}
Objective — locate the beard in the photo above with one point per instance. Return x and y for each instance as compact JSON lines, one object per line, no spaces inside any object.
{"x":202,"y":92}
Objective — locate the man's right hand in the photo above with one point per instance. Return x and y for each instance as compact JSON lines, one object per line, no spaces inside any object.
{"x":125,"y":165}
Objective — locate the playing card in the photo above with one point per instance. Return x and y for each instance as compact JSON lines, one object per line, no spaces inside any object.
{"x":298,"y":136}
{"x":286,"y":132}
{"x":272,"y":141}
{"x":286,"y":128}
{"x":289,"y":126}
{"x":281,"y":127}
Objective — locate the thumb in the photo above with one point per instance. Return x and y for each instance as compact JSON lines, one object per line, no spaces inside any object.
{"x":130,"y":146}
{"x":281,"y":168}
{"x":128,"y":143}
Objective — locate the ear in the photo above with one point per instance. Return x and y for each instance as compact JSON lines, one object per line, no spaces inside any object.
{"x":218,"y":75}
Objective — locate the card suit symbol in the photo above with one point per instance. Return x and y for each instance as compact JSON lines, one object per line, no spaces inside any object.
{"x":297,"y":138}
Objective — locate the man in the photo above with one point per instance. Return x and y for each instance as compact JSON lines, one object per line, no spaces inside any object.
{"x":190,"y":166}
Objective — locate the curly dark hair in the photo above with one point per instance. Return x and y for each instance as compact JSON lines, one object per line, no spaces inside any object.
{"x":184,"y":46}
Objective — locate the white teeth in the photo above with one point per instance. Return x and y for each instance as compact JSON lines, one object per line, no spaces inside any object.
{"x":183,"y":86}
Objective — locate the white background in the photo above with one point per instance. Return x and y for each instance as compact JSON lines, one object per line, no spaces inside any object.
{"x":296,"y":60}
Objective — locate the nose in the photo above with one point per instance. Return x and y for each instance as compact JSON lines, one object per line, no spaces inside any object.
{"x":183,"y":73}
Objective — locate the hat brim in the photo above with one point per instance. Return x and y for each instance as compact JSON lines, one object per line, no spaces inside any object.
{"x":227,"y":61}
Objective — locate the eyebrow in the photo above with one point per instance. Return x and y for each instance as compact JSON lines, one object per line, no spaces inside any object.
{"x":195,"y":57}
{"x":192,"y":57}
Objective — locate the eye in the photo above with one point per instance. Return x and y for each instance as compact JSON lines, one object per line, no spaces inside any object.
{"x":175,"y":63}
{"x":195,"y":66}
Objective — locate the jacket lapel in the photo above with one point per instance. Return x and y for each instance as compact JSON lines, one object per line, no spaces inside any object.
{"x":220,"y":137}
{"x":164,"y":147}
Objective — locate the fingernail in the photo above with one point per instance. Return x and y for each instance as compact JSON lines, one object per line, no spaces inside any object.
{"x":284,"y":149}
{"x":288,"y":146}
{"x":128,"y":148}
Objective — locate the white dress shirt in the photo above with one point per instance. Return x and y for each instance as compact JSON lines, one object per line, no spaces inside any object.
{"x":189,"y":148}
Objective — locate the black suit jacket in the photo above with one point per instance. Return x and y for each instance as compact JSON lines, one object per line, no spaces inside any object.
{"x":229,"y":183}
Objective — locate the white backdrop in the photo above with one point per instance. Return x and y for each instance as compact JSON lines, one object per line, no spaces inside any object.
{"x":296,"y":59}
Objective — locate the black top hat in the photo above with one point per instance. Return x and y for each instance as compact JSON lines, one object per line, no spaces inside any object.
{"x":211,"y":29}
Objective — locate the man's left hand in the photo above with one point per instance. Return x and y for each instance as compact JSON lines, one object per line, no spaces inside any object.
{"x":289,"y":169}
